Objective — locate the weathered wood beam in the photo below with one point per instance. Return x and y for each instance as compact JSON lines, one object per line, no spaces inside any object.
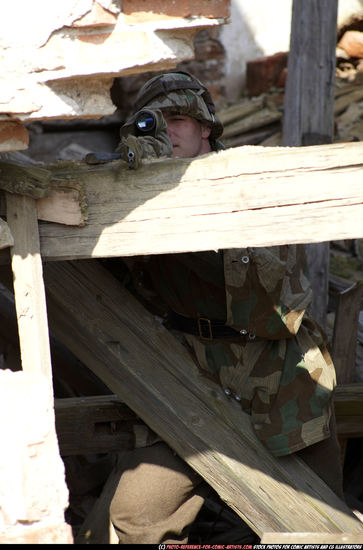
{"x":6,"y":238}
{"x":63,"y":202}
{"x":348,"y":403}
{"x":345,"y":332}
{"x":301,"y":539}
{"x":140,"y":361}
{"x":24,"y":179}
{"x":309,"y":110}
{"x":344,"y":348}
{"x":32,"y":472}
{"x":247,"y":196}
{"x":309,"y":97}
{"x":29,"y":286}
{"x":97,"y":424}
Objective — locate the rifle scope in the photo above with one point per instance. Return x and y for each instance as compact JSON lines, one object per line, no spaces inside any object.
{"x":145,"y":122}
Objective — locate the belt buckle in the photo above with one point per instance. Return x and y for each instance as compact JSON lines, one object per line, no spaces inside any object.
{"x":208,"y":324}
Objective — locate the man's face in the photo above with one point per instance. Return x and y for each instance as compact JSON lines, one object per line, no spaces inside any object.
{"x":188,"y":136}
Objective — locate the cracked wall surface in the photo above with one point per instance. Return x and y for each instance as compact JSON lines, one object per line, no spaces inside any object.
{"x":59,"y":60}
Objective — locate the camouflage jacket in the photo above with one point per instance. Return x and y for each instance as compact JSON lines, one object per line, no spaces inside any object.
{"x":279,"y":369}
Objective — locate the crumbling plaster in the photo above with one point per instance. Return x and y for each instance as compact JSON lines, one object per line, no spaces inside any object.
{"x":59,"y":59}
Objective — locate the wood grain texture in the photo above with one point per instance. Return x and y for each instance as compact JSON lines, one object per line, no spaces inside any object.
{"x":309,"y":97}
{"x":29,"y":286}
{"x":309,"y":110}
{"x":346,"y":331}
{"x":247,"y":196}
{"x":154,"y":375}
{"x":97,"y":424}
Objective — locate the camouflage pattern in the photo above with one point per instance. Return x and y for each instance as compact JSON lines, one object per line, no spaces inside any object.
{"x":278,"y":369}
{"x":184,"y":102}
{"x":157,"y":145}
{"x":189,"y":102}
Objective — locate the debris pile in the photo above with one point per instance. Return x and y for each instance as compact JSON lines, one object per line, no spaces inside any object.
{"x":258,"y":120}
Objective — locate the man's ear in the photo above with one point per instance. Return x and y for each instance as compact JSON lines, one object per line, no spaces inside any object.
{"x":206,"y":130}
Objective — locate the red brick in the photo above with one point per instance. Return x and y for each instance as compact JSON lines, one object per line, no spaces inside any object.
{"x":13,"y":136}
{"x":151,"y":9}
{"x":352,"y":43}
{"x":265,"y":72}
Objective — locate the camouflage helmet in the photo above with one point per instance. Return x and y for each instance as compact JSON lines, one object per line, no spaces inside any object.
{"x":182,"y":93}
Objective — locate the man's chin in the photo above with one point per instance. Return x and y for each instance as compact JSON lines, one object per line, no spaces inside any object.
{"x":179,"y":154}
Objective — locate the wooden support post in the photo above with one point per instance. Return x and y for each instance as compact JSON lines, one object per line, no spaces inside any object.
{"x":29,"y":287}
{"x":34,"y":494}
{"x":345,"y":333}
{"x":309,"y":96}
{"x":348,"y":404}
{"x":345,"y":341}
{"x":309,"y":108}
{"x":154,"y":375}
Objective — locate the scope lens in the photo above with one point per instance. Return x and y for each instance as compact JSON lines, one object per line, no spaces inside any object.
{"x":145,"y":122}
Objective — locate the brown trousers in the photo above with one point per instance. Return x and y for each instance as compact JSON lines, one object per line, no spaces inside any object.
{"x":159,"y":496}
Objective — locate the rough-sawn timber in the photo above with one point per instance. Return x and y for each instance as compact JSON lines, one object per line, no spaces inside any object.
{"x":140,"y":361}
{"x":246,"y":196}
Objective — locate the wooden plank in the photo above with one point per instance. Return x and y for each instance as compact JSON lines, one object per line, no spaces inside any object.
{"x":247,"y":196}
{"x":348,"y":398}
{"x":264,"y":116}
{"x":312,"y":538}
{"x":345,"y":332}
{"x":344,"y":351}
{"x":24,"y":179}
{"x":6,"y":238}
{"x":348,"y":426}
{"x":65,"y":204}
{"x":153,"y":374}
{"x":309,"y":96}
{"x":348,"y":404}
{"x":309,"y":110}
{"x":77,"y":418}
{"x":97,"y":424}
{"x":318,"y":261}
{"x":29,"y":287}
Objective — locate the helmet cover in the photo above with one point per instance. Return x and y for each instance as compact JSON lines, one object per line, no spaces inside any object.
{"x":180,"y":93}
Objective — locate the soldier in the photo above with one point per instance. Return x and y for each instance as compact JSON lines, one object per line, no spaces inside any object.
{"x":242,"y":313}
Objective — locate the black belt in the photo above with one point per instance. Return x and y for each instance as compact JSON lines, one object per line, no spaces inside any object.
{"x":206,"y":329}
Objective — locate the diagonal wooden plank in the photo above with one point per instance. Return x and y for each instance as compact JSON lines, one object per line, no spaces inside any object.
{"x":152,"y":373}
